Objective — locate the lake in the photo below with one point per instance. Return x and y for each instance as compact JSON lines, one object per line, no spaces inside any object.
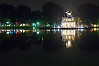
{"x":50,"y":47}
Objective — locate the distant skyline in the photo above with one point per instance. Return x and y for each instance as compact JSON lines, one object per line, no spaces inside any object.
{"x":37,"y":4}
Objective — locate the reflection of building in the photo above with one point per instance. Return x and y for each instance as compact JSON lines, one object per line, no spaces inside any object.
{"x":68,"y":36}
{"x":68,"y":44}
{"x":68,"y":21}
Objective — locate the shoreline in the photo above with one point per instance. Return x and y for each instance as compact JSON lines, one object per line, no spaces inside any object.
{"x":31,"y":27}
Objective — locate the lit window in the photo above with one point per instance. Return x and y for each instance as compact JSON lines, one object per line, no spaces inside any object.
{"x":69,"y":19}
{"x":66,"y":20}
{"x":72,"y":19}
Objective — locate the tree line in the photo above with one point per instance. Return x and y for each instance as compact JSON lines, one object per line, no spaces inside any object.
{"x":89,"y":13}
{"x":49,"y":13}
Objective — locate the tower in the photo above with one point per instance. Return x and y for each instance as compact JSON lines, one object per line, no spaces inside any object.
{"x":68,"y":21}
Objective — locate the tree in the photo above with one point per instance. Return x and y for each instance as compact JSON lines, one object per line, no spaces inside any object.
{"x":23,"y":13}
{"x":6,"y":12}
{"x":52,"y":12}
{"x":88,"y":12}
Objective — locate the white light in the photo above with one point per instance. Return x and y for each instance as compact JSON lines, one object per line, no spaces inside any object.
{"x":7,"y":22}
{"x":23,"y":24}
{"x":2,"y":30}
{"x":20,"y":24}
{"x":33,"y":27}
{"x":20,"y":30}
{"x":23,"y":31}
{"x":8,"y":30}
{"x":37,"y":22}
{"x":54,"y":29}
{"x":38,"y":32}
{"x":68,"y":44}
{"x":58,"y":27}
{"x":82,"y":27}
{"x":48,"y":30}
{"x":7,"y":33}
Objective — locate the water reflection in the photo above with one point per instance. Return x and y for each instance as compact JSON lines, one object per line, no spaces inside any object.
{"x":17,"y":31}
{"x":68,"y":36}
{"x":50,"y":40}
{"x":49,"y":45}
{"x":94,"y":29}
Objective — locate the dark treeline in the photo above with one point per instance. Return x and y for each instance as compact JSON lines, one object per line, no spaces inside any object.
{"x":49,"y":13}
{"x":89,"y":13}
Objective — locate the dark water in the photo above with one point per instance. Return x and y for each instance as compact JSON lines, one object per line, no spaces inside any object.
{"x":78,"y":47}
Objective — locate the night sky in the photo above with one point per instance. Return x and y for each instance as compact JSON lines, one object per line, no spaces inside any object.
{"x":37,"y":4}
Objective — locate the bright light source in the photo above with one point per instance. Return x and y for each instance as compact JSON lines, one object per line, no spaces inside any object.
{"x":54,"y":30}
{"x":20,"y":30}
{"x":33,"y":27}
{"x":38,"y":32}
{"x":11,"y":32}
{"x":20,"y":24}
{"x":37,"y":22}
{"x":48,"y":25}
{"x":68,"y":44}
{"x":78,"y":26}
{"x":48,"y":30}
{"x":7,"y":22}
{"x":69,"y":13}
{"x":82,"y":27}
{"x":23,"y":31}
{"x":58,"y":27}
{"x":33,"y":24}
{"x":23,"y":24}
{"x":95,"y":25}
{"x":7,"y":33}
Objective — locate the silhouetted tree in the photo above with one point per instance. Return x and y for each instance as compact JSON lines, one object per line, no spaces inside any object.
{"x":6,"y":12}
{"x":88,"y":12}
{"x":52,"y":12}
{"x":36,"y":16}
{"x":23,"y":13}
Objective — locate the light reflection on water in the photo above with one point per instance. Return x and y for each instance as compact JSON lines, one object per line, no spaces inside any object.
{"x":68,"y":37}
{"x":51,"y":46}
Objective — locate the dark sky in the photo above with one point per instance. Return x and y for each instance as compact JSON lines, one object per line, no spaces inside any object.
{"x":36,"y":4}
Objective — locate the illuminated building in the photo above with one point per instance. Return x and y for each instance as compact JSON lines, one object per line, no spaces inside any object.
{"x":68,"y":21}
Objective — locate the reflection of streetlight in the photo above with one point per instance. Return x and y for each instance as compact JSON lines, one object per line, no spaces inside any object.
{"x":33,"y":27}
{"x":42,"y":39}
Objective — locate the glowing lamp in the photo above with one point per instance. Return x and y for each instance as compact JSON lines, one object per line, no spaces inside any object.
{"x":38,"y":32}
{"x":37,"y":22}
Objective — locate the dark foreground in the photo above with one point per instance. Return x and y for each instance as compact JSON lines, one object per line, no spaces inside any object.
{"x":50,"y":47}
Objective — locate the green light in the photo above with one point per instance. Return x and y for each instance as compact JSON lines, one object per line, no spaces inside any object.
{"x":33,"y":31}
{"x":33,"y":23}
{"x":38,"y":23}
